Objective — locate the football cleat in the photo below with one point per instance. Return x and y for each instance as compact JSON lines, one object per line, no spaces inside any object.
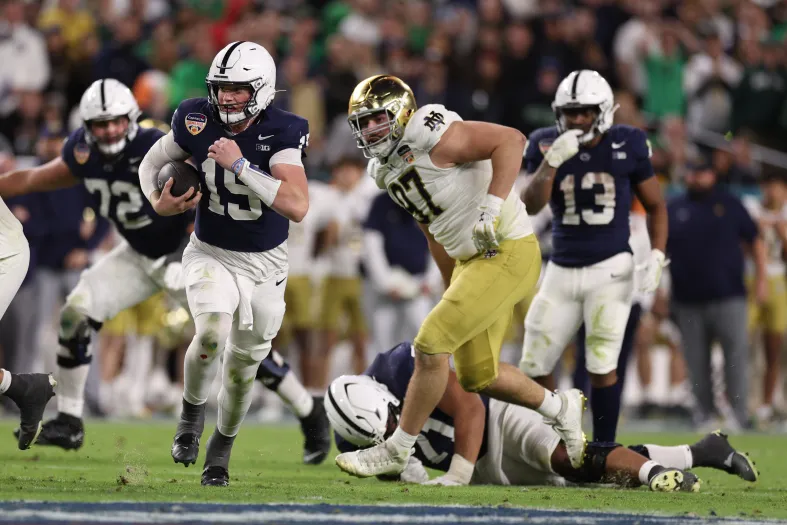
{"x":674,"y":480}
{"x":215,"y":476}
{"x":718,"y":453}
{"x":316,"y":433}
{"x":185,"y":448}
{"x":375,"y":461}
{"x":36,"y":391}
{"x":65,"y":431}
{"x":568,"y":425}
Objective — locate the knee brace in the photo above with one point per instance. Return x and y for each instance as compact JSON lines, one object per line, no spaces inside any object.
{"x":76,"y":332}
{"x":272,"y":370}
{"x":594,"y":468}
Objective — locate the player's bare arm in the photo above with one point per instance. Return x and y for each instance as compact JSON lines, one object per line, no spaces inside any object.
{"x":444,"y":261}
{"x":650,"y":195}
{"x":165,"y":150}
{"x":759,"y":253}
{"x":53,"y":175}
{"x":284,"y":189}
{"x":538,"y":191}
{"x":471,"y":141}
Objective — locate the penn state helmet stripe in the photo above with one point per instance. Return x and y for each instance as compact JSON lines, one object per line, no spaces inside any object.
{"x":103,"y":97}
{"x":574,"y":85}
{"x":345,"y":418}
{"x":223,"y":66}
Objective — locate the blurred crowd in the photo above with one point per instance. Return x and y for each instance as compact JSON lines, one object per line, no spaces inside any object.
{"x":703,"y":77}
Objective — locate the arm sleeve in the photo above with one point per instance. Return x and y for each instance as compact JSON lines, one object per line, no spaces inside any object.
{"x":288,"y":156}
{"x":165,"y":150}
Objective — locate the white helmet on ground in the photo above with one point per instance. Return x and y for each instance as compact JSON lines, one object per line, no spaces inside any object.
{"x":242,"y":64}
{"x":361,"y":410}
{"x":585,"y":89}
{"x":108,"y":99}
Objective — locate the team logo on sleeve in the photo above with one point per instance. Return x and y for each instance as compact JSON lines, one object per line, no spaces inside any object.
{"x":406,"y":153}
{"x":195,"y":122}
{"x":81,"y":152}
{"x":544,"y":145}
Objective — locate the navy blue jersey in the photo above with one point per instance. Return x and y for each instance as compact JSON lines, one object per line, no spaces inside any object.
{"x":116,"y":194}
{"x":230,"y":215}
{"x":435,"y":444}
{"x":592,"y":192}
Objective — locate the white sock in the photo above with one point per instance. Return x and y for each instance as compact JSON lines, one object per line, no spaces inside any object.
{"x":71,"y":390}
{"x":644,"y":471}
{"x":6,"y":382}
{"x":551,"y":406}
{"x":402,"y":441}
{"x":238,"y":375}
{"x":671,"y":457}
{"x":295,"y":395}
{"x":201,"y":363}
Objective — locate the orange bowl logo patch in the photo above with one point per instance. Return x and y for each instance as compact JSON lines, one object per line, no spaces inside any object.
{"x":195,"y":122}
{"x":81,"y":153}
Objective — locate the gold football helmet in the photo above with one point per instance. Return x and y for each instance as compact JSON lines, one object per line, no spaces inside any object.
{"x":373,"y":98}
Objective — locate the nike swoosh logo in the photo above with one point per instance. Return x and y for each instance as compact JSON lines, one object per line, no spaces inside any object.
{"x":615,"y":275}
{"x":615,"y":145}
{"x":76,"y":437}
{"x":279,"y":282}
{"x":728,"y":461}
{"x":260,"y":137}
{"x":311,"y":456}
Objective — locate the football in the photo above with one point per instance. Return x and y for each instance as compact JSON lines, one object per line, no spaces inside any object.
{"x":184,"y":174}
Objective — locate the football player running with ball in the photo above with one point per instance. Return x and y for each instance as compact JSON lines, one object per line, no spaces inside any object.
{"x":456,"y":179}
{"x":253,"y":182}
{"x":586,"y":169}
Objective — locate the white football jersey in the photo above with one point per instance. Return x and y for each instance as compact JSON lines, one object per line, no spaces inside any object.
{"x":350,"y":211}
{"x":773,"y":244}
{"x":10,"y":231}
{"x":300,"y":242}
{"x":445,"y":198}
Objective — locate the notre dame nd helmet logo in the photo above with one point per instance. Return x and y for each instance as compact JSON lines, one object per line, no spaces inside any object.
{"x":434,"y":121}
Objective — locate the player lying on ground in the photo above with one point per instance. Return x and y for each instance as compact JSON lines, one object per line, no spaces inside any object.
{"x":475,"y":439}
{"x":456,"y":179}
{"x":104,"y":154}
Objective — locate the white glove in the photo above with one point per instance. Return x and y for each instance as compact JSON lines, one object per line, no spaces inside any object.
{"x":484,"y":234}
{"x":414,"y":472}
{"x":459,"y":473}
{"x":564,"y":147}
{"x":652,"y":271}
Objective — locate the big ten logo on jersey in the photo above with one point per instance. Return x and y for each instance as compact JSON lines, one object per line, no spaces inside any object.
{"x":604,"y":199}
{"x":233,"y":209}
{"x":434,"y":121}
{"x":410,"y":192}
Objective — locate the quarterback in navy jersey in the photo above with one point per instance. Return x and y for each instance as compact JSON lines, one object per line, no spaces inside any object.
{"x":253,"y":183}
{"x":587,"y":170}
{"x":513,"y":445}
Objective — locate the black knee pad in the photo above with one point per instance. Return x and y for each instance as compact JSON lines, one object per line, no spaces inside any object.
{"x":78,"y":344}
{"x":272,"y":370}
{"x":594,"y":468}
{"x":642,"y":450}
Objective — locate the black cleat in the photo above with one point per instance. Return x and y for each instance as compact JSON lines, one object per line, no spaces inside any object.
{"x":317,"y":434}
{"x":215,"y":477}
{"x":65,"y":431}
{"x":185,"y":448}
{"x":715,"y":451}
{"x":31,"y":393}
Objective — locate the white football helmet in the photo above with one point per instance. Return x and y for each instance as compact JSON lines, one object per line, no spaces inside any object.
{"x":585,"y":89}
{"x":108,"y":99}
{"x":361,"y":410}
{"x":242,"y":64}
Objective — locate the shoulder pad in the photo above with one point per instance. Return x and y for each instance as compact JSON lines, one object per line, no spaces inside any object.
{"x":427,"y":125}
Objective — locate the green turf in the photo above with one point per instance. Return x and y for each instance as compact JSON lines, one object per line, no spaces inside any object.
{"x":132,"y":462}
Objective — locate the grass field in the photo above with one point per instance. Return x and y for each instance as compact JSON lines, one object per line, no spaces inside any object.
{"x":131,"y":462}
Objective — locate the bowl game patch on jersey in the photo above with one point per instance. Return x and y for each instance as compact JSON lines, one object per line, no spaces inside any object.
{"x":195,"y":122}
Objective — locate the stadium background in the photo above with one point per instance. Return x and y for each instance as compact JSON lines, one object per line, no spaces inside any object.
{"x":701,"y":76}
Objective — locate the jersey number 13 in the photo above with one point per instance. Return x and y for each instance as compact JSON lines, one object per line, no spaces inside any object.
{"x":605,"y":199}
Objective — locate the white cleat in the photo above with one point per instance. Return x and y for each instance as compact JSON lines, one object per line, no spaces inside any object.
{"x":375,"y":461}
{"x":568,"y":425}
